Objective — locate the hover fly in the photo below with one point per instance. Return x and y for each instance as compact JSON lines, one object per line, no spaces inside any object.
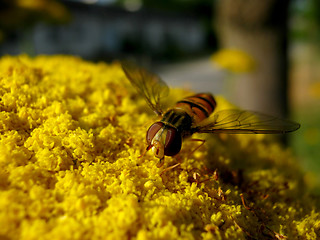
{"x":194,"y":114}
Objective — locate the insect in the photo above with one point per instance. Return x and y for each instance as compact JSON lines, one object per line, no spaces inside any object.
{"x":194,"y":114}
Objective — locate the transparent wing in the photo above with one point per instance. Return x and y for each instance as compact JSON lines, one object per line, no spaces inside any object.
{"x":240,"y":121}
{"x":149,"y":85}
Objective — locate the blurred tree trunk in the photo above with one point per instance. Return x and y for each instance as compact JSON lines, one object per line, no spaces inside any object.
{"x":260,"y":29}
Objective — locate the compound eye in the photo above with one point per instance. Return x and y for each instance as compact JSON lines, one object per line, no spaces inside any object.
{"x":173,"y":142}
{"x":152,"y":131}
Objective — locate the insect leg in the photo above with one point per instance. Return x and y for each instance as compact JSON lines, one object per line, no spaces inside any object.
{"x":145,"y":151}
{"x":169,"y":168}
{"x":179,"y":158}
{"x":160,"y":163}
{"x":196,"y":140}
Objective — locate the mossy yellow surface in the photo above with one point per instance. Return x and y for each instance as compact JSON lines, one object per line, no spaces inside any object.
{"x":71,"y":136}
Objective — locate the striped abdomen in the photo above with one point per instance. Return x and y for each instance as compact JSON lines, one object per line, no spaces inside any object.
{"x":198,"y":106}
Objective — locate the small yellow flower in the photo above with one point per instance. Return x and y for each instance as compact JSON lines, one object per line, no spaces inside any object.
{"x":233,"y":60}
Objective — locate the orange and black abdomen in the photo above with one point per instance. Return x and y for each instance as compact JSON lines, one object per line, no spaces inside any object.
{"x":198,"y":106}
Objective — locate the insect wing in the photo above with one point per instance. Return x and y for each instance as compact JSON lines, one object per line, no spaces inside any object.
{"x":240,"y":121}
{"x":149,"y":85}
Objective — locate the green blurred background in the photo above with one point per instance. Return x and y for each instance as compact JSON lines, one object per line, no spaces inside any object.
{"x":182,"y":39}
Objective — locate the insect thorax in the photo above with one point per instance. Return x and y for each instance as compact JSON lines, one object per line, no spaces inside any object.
{"x":178,"y":119}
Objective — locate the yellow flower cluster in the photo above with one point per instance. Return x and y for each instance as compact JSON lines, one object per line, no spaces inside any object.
{"x":233,"y":60}
{"x":71,"y":136}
